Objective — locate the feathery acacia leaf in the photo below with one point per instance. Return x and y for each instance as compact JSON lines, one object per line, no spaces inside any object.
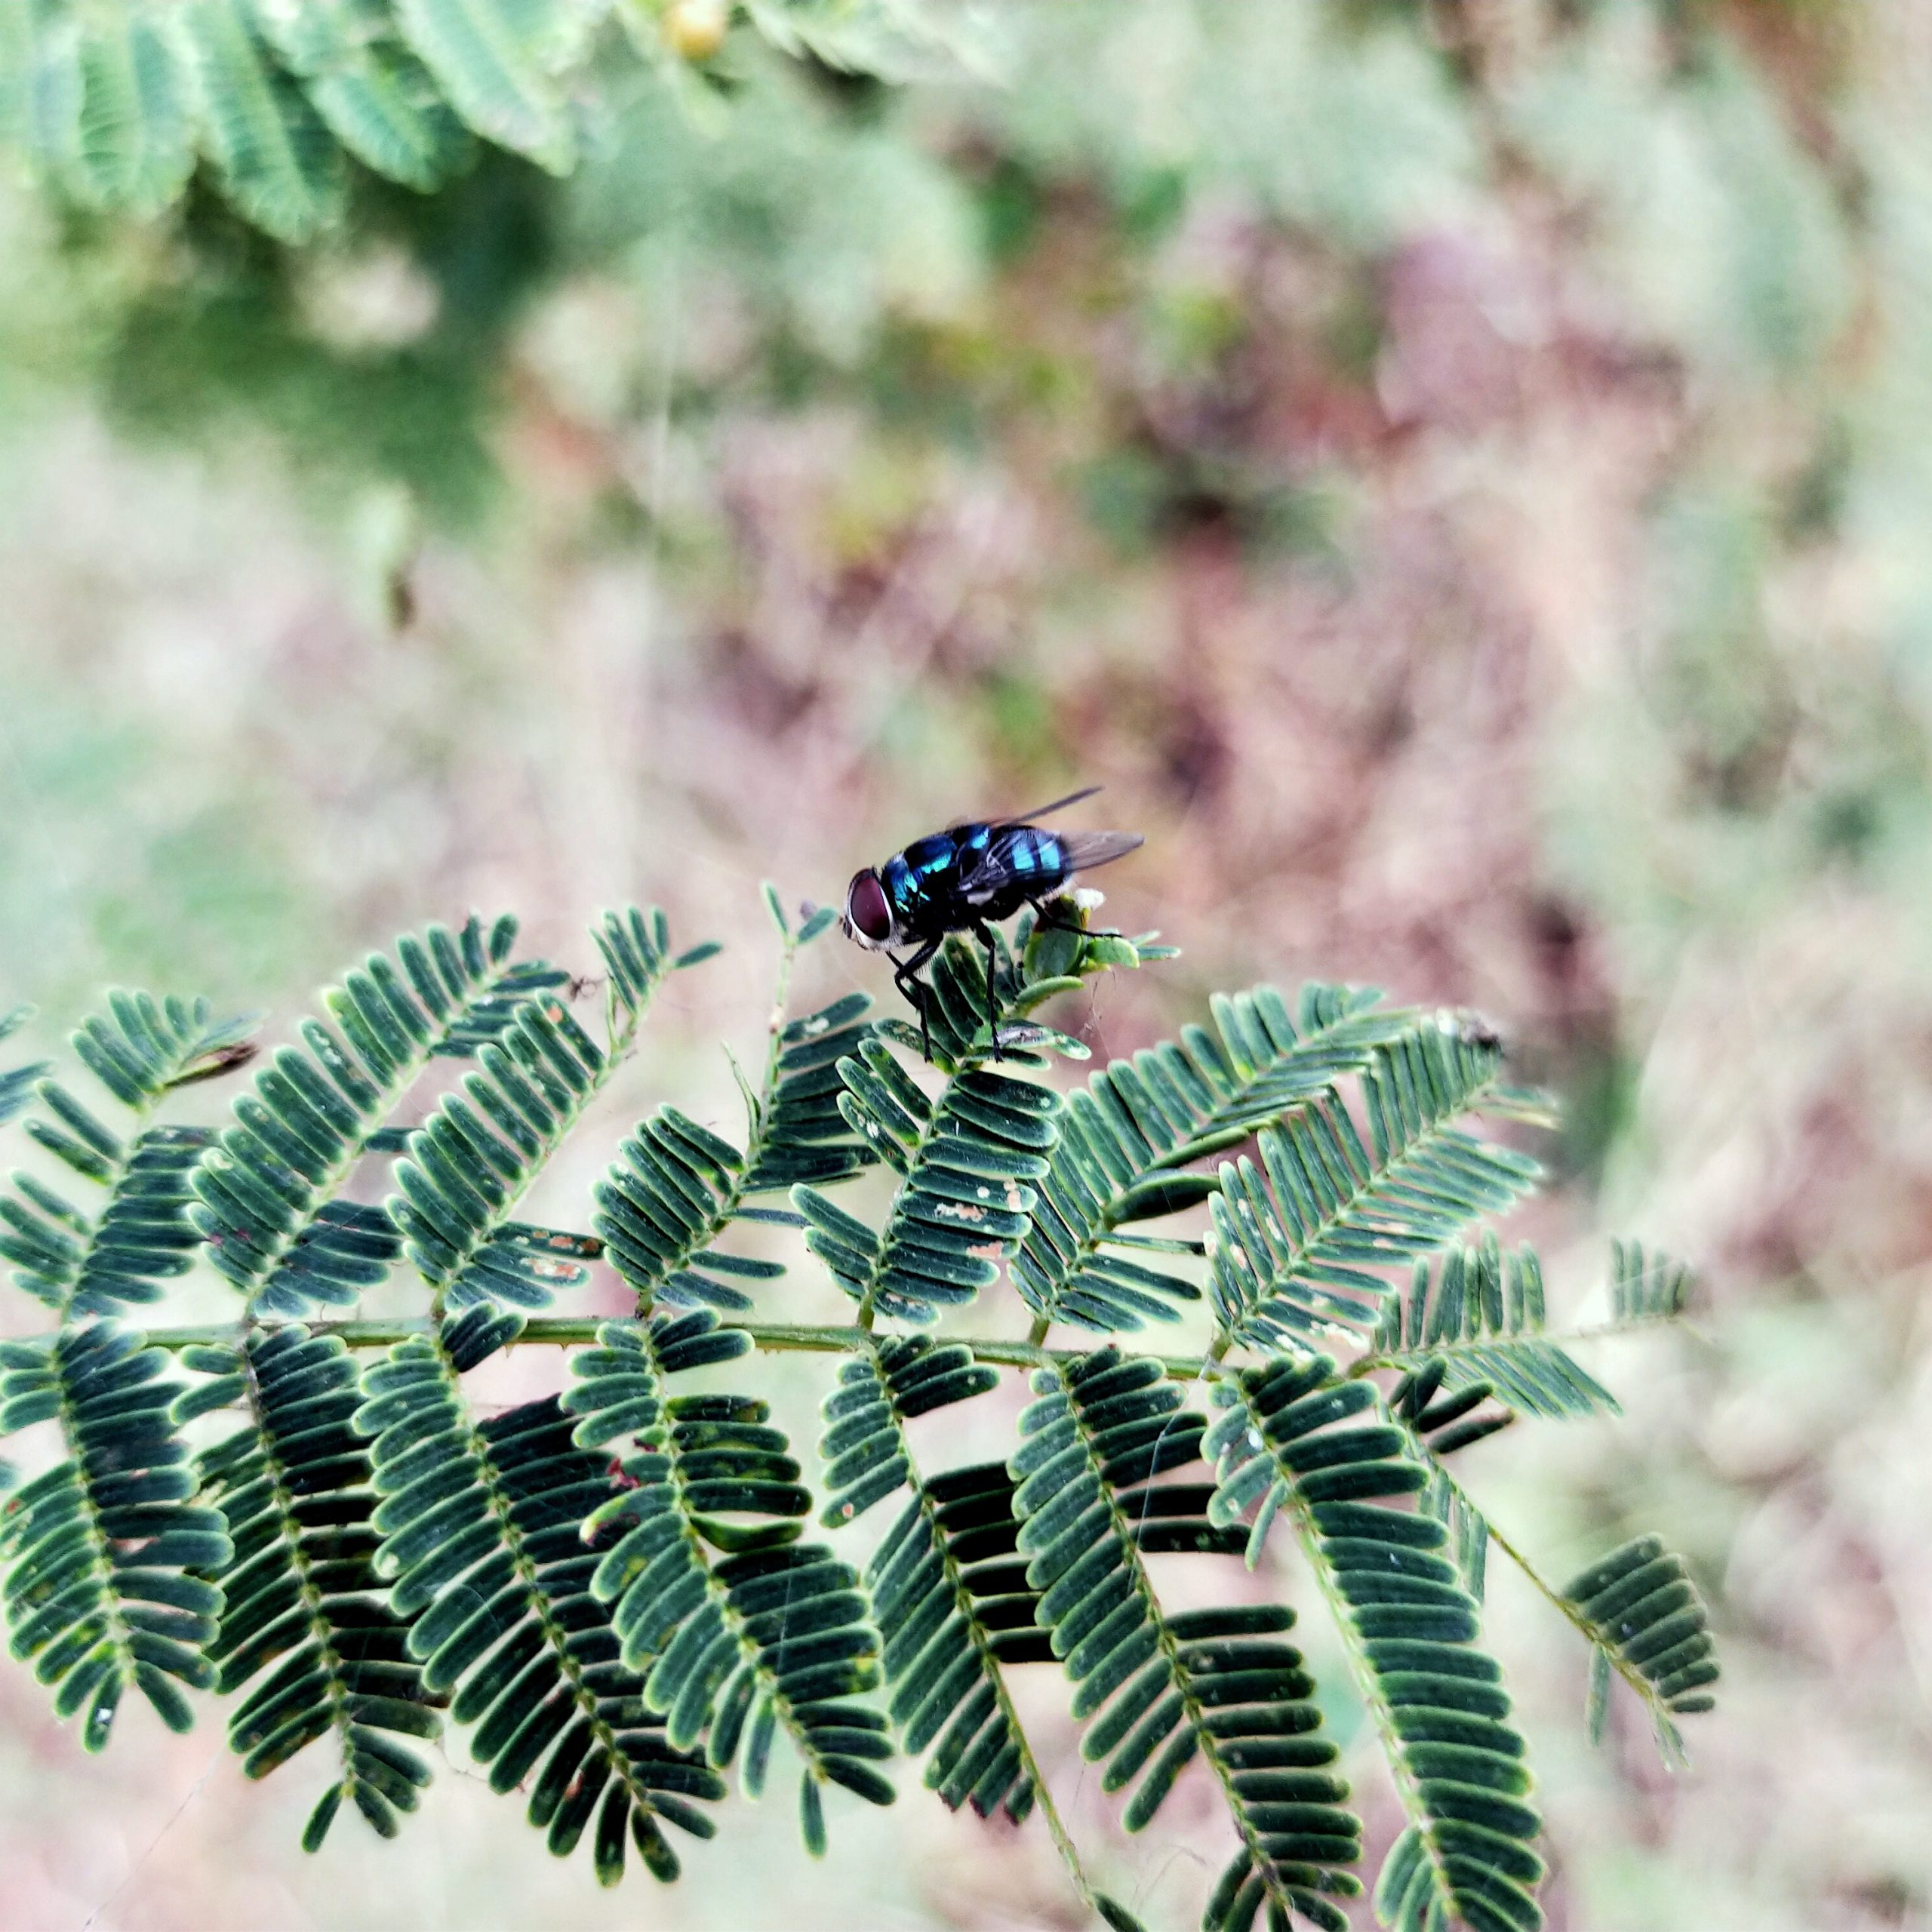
{"x":305,"y":1629}
{"x":100,"y":1548}
{"x":1646,"y":1287}
{"x":1410,"y":1630}
{"x":772,"y":1635}
{"x":80,"y":1263}
{"x":481,"y":1533}
{"x":1163,"y":1688}
{"x":1128,"y":1135}
{"x":266,"y":1191}
{"x":1299,"y":1237}
{"x":1473,"y":1329}
{"x":676,"y":1186}
{"x":1639,"y":1609}
{"x":16,"y":1083}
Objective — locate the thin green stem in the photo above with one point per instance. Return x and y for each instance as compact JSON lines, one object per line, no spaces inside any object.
{"x":575,"y":1330}
{"x":1628,"y":1672}
{"x":1407,"y":1358}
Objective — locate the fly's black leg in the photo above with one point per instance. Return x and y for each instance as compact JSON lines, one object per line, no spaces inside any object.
{"x":904,"y":973}
{"x":983,"y":934}
{"x":1043,"y":924}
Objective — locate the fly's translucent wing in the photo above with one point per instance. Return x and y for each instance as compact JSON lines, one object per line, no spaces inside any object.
{"x":1038,"y":861}
{"x":1086,"y":849}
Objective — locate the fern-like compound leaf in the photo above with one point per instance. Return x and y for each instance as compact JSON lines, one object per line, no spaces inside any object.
{"x":305,"y":1632}
{"x":965,"y":1163}
{"x":1288,"y":1440}
{"x":114,"y":107}
{"x":481,"y":1524}
{"x":1640,"y":1608}
{"x":1165,"y":1688}
{"x":677,"y":1186}
{"x":94,"y":1261}
{"x":101,"y":1550}
{"x":1646,"y":1287}
{"x":266,"y":1202}
{"x":1300,"y":1236}
{"x":954,"y":1611}
{"x":376,"y":98}
{"x":951,"y":1605}
{"x":470,"y":1162}
{"x":16,"y":1083}
{"x":495,"y":60}
{"x":1127,"y":1137}
{"x":774,"y":1636}
{"x":1472,"y":1329}
{"x":277,"y":159}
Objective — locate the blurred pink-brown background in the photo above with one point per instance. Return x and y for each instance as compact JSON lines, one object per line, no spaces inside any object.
{"x":1461,"y":478}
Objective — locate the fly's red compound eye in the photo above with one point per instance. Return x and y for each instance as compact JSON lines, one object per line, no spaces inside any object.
{"x":867,"y":916}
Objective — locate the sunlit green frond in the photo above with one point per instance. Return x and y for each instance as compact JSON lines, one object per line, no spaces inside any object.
{"x":89,"y":1260}
{"x":276,"y":157}
{"x":1472,"y":1329}
{"x":496,"y":60}
{"x":305,"y":1629}
{"x":1128,"y":1135}
{"x":377,"y":99}
{"x":467,"y":1166}
{"x":265,"y":1203}
{"x":864,"y":1448}
{"x":1165,"y":1688}
{"x":948,"y":1618}
{"x":676,"y":1186}
{"x":1646,"y":1287}
{"x":965,"y":1162}
{"x":481,"y":1523}
{"x":1299,"y":1238}
{"x":100,"y":1549}
{"x":16,"y":1083}
{"x":1643,"y":1614}
{"x":1410,"y":1630}
{"x":772,"y":1635}
{"x":113,"y":101}
{"x":954,"y":1610}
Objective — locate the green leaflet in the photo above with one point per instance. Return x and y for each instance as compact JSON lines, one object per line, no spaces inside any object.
{"x":677,"y":1186}
{"x":304,"y":1629}
{"x":1411,"y":1630}
{"x":81,"y":1261}
{"x":99,"y":1550}
{"x":1301,"y":1239}
{"x":481,"y":1529}
{"x":774,"y":1635}
{"x":467,"y":1165}
{"x":377,"y":99}
{"x":116,"y":99}
{"x":1165,"y":1688}
{"x":1475,"y":1329}
{"x":1138,"y":1122}
{"x":265,"y":1206}
{"x":276,"y":159}
{"x":1640,"y":1608}
{"x":495,"y":59}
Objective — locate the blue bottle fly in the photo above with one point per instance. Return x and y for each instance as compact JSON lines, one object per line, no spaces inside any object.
{"x":964,"y":880}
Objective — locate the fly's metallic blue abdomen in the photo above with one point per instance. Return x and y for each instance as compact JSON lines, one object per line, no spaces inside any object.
{"x":1031,"y":855}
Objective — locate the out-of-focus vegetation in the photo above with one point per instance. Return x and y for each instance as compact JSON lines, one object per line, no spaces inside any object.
{"x":1459,"y":475}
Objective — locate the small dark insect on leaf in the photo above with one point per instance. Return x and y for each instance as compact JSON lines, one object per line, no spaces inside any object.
{"x":966,"y":879}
